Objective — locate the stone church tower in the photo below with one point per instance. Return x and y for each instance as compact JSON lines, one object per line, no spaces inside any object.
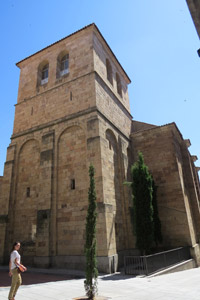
{"x":73,"y":110}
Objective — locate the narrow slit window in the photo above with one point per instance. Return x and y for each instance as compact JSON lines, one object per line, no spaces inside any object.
{"x":64,"y":65}
{"x":110,"y":145}
{"x":119,"y":86}
{"x":28,"y":192}
{"x":72,"y":184}
{"x":45,"y":74}
{"x":109,"y":71}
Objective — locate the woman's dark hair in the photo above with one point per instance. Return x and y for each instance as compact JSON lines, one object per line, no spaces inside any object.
{"x":15,"y":243}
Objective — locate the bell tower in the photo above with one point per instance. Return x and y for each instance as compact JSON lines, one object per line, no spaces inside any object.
{"x":72,"y":110}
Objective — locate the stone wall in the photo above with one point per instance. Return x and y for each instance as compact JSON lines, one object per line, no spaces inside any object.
{"x":101,"y":53}
{"x":40,"y":104}
{"x":49,"y":215}
{"x":115,"y":161}
{"x":111,"y":108}
{"x":72,"y":191}
{"x":165,"y":154}
{"x":62,"y":100}
{"x":78,"y":46}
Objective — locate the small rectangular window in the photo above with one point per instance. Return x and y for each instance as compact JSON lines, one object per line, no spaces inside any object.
{"x":109,"y":71}
{"x":72,"y":184}
{"x":119,"y":86}
{"x":28,"y":192}
{"x":45,"y":74}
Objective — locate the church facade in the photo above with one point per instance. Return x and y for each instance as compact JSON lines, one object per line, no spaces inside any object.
{"x":73,"y":110}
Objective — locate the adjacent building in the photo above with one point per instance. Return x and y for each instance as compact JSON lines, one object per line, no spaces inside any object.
{"x":194,"y":7}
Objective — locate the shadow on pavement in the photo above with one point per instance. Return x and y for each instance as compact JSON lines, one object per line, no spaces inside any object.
{"x":33,"y":278}
{"x":117,"y":277}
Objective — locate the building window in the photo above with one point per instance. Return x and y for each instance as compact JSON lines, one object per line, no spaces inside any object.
{"x":109,"y":71}
{"x":72,"y":184}
{"x":45,"y":74}
{"x":110,"y":145}
{"x":28,"y":192}
{"x":119,"y":86}
{"x":64,"y":65}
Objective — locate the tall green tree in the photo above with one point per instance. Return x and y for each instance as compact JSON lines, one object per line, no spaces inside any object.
{"x":90,"y":282}
{"x":142,"y":205}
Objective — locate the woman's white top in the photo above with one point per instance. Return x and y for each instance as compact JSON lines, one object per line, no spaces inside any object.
{"x":14,"y":255}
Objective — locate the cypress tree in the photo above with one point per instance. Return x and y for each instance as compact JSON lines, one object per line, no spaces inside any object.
{"x":142,"y":205}
{"x":90,"y":282}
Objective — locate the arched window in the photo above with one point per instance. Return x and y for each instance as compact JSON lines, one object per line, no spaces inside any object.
{"x":45,"y":74}
{"x":109,"y":71}
{"x":119,"y":86}
{"x":64,"y":65}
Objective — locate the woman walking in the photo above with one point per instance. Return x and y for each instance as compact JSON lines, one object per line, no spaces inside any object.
{"x":15,"y":268}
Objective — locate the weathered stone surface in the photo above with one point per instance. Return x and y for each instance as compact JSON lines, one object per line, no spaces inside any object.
{"x":172,"y":166}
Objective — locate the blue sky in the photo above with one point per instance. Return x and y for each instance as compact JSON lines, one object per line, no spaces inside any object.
{"x":154,"y":40}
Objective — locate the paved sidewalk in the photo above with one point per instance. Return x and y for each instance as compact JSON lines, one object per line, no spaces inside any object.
{"x":183,"y":285}
{"x":35,"y":277}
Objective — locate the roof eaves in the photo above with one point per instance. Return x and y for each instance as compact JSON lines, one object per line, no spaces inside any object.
{"x":92,"y":24}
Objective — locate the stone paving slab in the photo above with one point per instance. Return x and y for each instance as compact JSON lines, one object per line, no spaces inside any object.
{"x":177,"y":286}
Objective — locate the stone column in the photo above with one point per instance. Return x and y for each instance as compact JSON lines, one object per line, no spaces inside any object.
{"x":106,"y":245}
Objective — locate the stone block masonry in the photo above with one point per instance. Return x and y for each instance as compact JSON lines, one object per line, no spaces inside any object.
{"x":66,"y":119}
